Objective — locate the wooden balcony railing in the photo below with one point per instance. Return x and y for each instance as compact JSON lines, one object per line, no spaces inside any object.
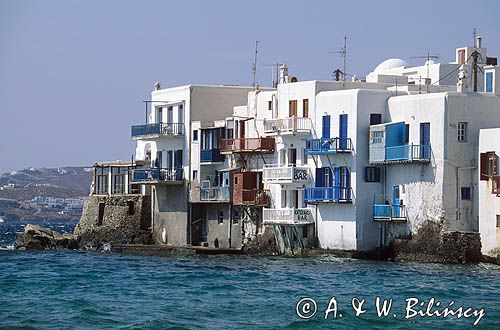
{"x":261,"y":145}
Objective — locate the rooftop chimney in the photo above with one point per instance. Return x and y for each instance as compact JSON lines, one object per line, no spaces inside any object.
{"x":283,"y":73}
{"x":478,"y":42}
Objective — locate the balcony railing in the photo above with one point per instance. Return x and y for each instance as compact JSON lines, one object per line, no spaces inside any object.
{"x":256,"y":197}
{"x":287,"y":216}
{"x":215,"y":194}
{"x":386,"y":212}
{"x":328,"y":195}
{"x":288,"y":125}
{"x":495,"y":189}
{"x":156,"y":174}
{"x":211,"y":156}
{"x":410,"y":153}
{"x":328,"y":146}
{"x":262,"y":145}
{"x":285,"y":174}
{"x":158,"y":129}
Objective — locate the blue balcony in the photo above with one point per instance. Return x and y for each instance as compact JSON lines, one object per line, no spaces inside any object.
{"x":157,"y":130}
{"x":386,"y":212}
{"x":211,"y":156}
{"x":328,"y":146}
{"x":408,"y":153}
{"x":157,"y":175}
{"x":328,"y":195}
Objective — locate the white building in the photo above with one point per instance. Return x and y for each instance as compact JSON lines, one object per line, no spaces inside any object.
{"x":339,"y":165}
{"x":181,"y":142}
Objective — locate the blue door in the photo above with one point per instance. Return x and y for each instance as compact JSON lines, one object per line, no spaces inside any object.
{"x":343,"y":132}
{"x":336,"y":183}
{"x":326,"y":127}
{"x":425,"y":140}
{"x":396,"y":201}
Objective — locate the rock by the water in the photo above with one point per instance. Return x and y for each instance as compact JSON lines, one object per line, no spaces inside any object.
{"x":41,"y":238}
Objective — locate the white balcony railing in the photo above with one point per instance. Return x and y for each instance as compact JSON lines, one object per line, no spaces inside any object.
{"x":288,"y":125}
{"x":287,"y":216}
{"x":286,"y":174}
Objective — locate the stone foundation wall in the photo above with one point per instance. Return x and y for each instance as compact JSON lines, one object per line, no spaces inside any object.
{"x":432,"y":244}
{"x":120,"y":219}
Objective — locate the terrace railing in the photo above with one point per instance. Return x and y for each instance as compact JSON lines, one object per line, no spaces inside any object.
{"x":328,"y":194}
{"x":158,"y":129}
{"x":290,"y":124}
{"x":328,"y":146}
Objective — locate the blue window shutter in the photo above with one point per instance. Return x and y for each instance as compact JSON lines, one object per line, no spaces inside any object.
{"x":343,"y":131}
{"x":326,"y":127}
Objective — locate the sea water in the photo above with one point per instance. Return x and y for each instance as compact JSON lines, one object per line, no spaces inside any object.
{"x":89,"y":290}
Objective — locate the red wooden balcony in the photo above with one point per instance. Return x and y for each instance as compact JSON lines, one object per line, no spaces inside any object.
{"x":247,"y":145}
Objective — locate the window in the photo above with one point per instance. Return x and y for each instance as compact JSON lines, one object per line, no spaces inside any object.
{"x":195,"y":135}
{"x":236,"y":216}
{"x":489,"y":82}
{"x":117,"y":180}
{"x":100,"y":216}
{"x":131,"y":208}
{"x":462,"y":132}
{"x":195,"y":174}
{"x":269,"y":105}
{"x":372,"y":174}
{"x":220,"y":217}
{"x":375,"y":118}
{"x":283,"y":198}
{"x":292,"y":108}
{"x":498,"y":220}
{"x":461,"y":56}
{"x":407,"y":133}
{"x":235,"y":179}
{"x":305,"y":108}
{"x":465,"y":192}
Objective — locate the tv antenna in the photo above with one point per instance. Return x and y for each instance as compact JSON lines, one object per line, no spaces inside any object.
{"x":343,"y":53}
{"x":277,"y":66}
{"x":429,"y":57}
{"x":254,"y":65}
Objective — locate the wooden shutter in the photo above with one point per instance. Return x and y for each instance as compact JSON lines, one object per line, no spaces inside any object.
{"x":483,"y":174}
{"x":292,"y":108}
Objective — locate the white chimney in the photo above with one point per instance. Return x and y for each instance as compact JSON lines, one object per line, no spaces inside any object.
{"x":478,"y":42}
{"x":283,"y":73}
{"x":462,"y":79}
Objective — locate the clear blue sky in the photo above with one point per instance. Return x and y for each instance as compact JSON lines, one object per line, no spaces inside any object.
{"x":73,"y":73}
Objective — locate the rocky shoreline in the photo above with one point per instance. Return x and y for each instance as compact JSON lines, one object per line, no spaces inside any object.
{"x":36,"y":237}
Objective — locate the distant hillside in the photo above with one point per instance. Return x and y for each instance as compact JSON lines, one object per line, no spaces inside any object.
{"x":17,"y":188}
{"x":25,"y":184}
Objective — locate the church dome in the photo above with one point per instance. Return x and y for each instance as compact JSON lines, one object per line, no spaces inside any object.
{"x":390,"y":64}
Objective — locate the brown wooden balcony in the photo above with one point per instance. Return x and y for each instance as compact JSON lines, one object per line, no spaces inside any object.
{"x":247,"y":145}
{"x":252,"y":197}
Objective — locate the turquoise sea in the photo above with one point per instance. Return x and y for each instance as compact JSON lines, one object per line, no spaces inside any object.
{"x":89,"y":290}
